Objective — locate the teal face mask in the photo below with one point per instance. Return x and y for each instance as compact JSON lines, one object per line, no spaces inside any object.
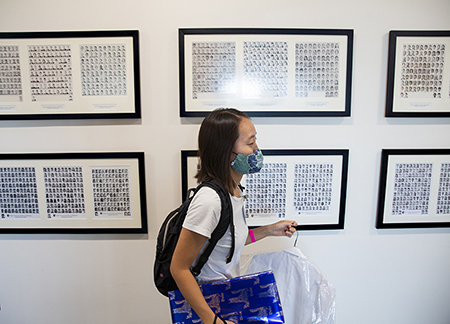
{"x":245,"y":164}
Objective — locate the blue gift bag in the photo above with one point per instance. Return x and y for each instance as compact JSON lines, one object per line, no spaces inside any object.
{"x":247,"y":299}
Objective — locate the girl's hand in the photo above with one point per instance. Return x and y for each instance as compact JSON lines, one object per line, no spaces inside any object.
{"x":284,"y":228}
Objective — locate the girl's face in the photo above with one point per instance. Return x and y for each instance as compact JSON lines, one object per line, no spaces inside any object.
{"x":246,"y":142}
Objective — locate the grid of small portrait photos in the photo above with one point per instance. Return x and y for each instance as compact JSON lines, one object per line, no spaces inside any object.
{"x":422,"y":70}
{"x":50,"y":69}
{"x":73,"y":190}
{"x":418,"y":83}
{"x":213,"y":68}
{"x":10,"y":74}
{"x":311,"y":190}
{"x":308,"y":186}
{"x":414,"y":189}
{"x":103,"y":70}
{"x":443,"y":200}
{"x":55,"y":74}
{"x":18,"y":192}
{"x":111,"y":191}
{"x":313,"y":187}
{"x":273,"y":72}
{"x":317,"y":69}
{"x":265,"y":69}
{"x":64,"y":192}
{"x":266,"y":191}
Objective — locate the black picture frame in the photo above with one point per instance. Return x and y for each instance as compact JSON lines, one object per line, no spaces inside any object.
{"x":331,"y":217}
{"x":73,"y":193}
{"x":418,"y":74}
{"x":267,"y":86}
{"x":414,"y":189}
{"x":70,"y":75}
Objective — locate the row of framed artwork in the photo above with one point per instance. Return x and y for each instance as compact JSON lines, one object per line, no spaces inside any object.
{"x":307,"y":72}
{"x":105,"y":192}
{"x":310,"y":186}
{"x":264,"y":72}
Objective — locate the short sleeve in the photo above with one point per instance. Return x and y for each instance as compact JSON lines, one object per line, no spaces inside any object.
{"x":203,"y":214}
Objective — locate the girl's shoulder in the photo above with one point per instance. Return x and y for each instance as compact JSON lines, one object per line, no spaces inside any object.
{"x":206,"y":197}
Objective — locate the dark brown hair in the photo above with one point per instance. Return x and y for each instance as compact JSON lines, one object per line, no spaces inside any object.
{"x":216,"y":138}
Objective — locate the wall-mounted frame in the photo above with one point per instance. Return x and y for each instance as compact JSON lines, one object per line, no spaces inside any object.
{"x":418,"y":76}
{"x":308,"y":186}
{"x":414,"y":188}
{"x":69,"y":75}
{"x":266,"y":72}
{"x":73,"y":193}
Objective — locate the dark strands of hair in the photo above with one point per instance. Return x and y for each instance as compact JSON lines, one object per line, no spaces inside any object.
{"x":217,"y":136}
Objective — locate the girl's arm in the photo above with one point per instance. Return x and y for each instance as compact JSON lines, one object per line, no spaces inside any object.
{"x":281,"y":228}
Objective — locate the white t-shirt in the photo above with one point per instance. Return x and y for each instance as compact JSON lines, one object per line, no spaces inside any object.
{"x":202,"y":218}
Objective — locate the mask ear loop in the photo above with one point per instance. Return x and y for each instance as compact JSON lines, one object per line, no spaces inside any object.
{"x":234,"y":160}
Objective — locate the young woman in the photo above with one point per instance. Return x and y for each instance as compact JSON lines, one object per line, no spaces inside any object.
{"x":227,"y":150}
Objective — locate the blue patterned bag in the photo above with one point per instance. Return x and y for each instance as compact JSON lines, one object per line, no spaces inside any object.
{"x":247,"y":299}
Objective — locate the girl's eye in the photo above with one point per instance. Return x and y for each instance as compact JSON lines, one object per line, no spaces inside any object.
{"x":252,"y":143}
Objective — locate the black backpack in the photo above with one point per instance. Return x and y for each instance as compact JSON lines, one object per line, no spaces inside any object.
{"x":170,"y":231}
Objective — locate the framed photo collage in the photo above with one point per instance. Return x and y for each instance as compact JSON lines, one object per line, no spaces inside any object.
{"x":63,"y":75}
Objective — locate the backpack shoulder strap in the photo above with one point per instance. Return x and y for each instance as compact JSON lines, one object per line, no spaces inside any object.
{"x":226,"y":218}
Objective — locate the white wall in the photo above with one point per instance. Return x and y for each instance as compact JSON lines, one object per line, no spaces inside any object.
{"x":381,"y":276}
